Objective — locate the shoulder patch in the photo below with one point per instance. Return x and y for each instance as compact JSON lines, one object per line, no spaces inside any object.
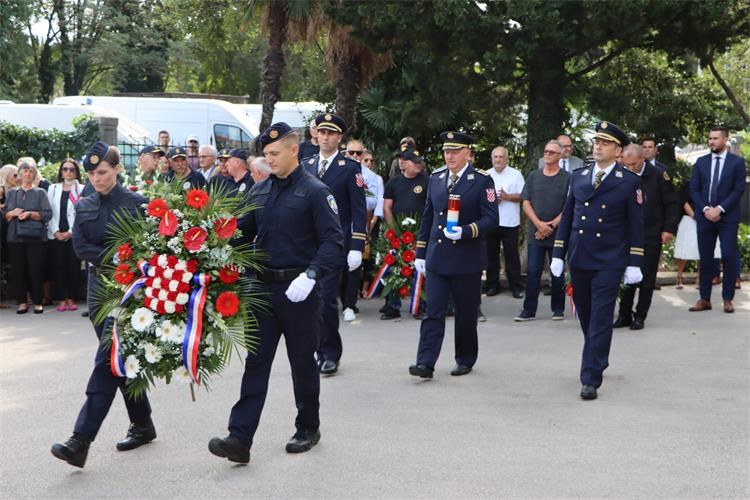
{"x":441,"y":169}
{"x":665,"y":175}
{"x":579,"y":168}
{"x":332,"y":204}
{"x":480,"y":171}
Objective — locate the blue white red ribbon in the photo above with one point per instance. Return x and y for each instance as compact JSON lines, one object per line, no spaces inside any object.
{"x":116,"y":364}
{"x":416,"y":293}
{"x":191,"y":344}
{"x":379,"y":281}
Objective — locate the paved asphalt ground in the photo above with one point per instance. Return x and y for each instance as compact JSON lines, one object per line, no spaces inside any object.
{"x":672,"y":419}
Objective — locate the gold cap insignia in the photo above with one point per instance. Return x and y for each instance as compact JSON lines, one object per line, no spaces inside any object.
{"x":273,"y":134}
{"x":404,"y":147}
{"x":93,"y":159}
{"x":450,"y":135}
{"x":603,"y":125}
{"x":416,"y":153}
{"x":328,"y":116}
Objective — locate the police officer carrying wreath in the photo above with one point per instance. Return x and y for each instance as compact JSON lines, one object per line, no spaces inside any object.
{"x":93,"y":215}
{"x":601,"y":230}
{"x":454,"y":258}
{"x":297,"y":226}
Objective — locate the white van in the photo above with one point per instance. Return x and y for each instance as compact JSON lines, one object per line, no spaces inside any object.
{"x":213,"y":121}
{"x":296,"y":114}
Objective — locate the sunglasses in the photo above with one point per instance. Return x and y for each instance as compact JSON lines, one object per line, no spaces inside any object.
{"x":352,"y":152}
{"x":68,"y":169}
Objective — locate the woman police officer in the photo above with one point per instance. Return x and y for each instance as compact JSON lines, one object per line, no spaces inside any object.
{"x":93,"y":215}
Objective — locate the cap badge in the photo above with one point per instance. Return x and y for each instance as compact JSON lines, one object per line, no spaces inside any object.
{"x":328,"y":116}
{"x":94,"y":159}
{"x":273,"y":134}
{"x":603,"y":125}
{"x":450,"y":135}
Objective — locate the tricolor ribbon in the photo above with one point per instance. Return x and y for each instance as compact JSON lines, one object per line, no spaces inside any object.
{"x":379,"y":281}
{"x":116,"y":364}
{"x":416,"y":295}
{"x":569,"y":292}
{"x":191,"y":344}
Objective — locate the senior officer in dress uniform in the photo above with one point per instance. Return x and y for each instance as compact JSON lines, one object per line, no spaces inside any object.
{"x":90,"y":230}
{"x":601,"y":230}
{"x":181,"y":170}
{"x":297,"y":226}
{"x":454,"y":260}
{"x":344,"y":177}
{"x":661,"y":211}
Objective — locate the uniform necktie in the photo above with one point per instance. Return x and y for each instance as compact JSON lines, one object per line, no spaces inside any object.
{"x":322,"y":169}
{"x":454,"y":178}
{"x":598,"y":178}
{"x":714,"y":191}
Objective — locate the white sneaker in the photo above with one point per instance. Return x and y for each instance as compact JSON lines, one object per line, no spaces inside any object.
{"x":349,"y":314}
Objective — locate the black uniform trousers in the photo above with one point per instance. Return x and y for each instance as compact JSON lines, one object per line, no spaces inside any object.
{"x":508,"y":236}
{"x":103,"y":385}
{"x":649,"y":268}
{"x":465,"y":290}
{"x":297,"y":321}
{"x":330,"y":345}
{"x":595,"y":294}
{"x":350,"y":282}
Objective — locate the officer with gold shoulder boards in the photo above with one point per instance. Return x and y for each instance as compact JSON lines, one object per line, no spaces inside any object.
{"x":454,"y":259}
{"x":601,"y":231}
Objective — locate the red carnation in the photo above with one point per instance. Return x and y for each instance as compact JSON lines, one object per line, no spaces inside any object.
{"x":157,"y":208}
{"x":124,"y":274}
{"x":408,"y":256}
{"x":390,"y":234}
{"x":407,"y":237}
{"x":168,"y":224}
{"x":183,"y":287}
{"x":194,"y":238}
{"x":154,"y":260}
{"x":124,"y":252}
{"x":227,"y":303}
{"x":389,"y":259}
{"x":178,"y":308}
{"x":403,"y":291}
{"x":406,"y":271}
{"x":192,"y":265}
{"x":196,"y":198}
{"x":172,"y":261}
{"x":395,"y":244}
{"x":225,"y":228}
{"x":229,"y":274}
{"x":160,"y":307}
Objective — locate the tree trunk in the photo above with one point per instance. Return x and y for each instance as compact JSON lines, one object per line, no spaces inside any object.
{"x":66,"y":54}
{"x":728,"y":91}
{"x":272,"y":66}
{"x":547,"y":80}
{"x":348,"y":76}
{"x":47,"y":72}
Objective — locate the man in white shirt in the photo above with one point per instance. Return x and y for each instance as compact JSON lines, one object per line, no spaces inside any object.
{"x":509,"y":183}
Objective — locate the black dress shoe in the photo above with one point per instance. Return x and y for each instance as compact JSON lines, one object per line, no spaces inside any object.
{"x":302,"y":441}
{"x":329,"y":367}
{"x":74,"y":450}
{"x":230,"y":448}
{"x":391,"y":314}
{"x":423,"y":371}
{"x":385,"y":308}
{"x":588,"y":392}
{"x":450,"y":312}
{"x":460,"y":370}
{"x":637,"y":324}
{"x":492,"y":291}
{"x":138,"y":435}
{"x":622,"y":321}
{"x":517,"y":294}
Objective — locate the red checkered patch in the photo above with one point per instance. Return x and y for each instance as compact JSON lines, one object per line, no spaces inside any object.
{"x":491,"y":195}
{"x":360,"y":180}
{"x":639,"y":196}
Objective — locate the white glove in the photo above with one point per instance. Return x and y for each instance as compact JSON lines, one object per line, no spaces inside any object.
{"x":300,"y":288}
{"x":633,"y":275}
{"x":419,"y":265}
{"x":453,"y":235}
{"x":556,"y":267}
{"x":354,"y":259}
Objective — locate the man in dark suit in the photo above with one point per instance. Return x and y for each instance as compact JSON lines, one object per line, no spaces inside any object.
{"x":661,"y":212}
{"x":454,"y":257}
{"x":716,"y":185}
{"x":601,"y":230}
{"x":650,"y":151}
{"x":344,"y":177}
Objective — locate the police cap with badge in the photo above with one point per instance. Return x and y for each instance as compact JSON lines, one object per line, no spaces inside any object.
{"x":223,"y":154}
{"x":608,"y":131}
{"x":331,"y":121}
{"x":274,"y":133}
{"x":238,"y":153}
{"x":410,"y":154}
{"x":456,"y":140}
{"x":177,"y":152}
{"x":94,"y":155}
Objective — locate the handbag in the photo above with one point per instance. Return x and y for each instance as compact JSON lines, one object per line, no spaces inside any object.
{"x":30,"y":229}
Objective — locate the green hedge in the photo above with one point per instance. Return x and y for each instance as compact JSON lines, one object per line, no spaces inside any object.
{"x":669,"y":263}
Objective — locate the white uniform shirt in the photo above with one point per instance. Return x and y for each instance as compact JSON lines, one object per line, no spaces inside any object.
{"x":374,"y":195}
{"x":511,"y":181}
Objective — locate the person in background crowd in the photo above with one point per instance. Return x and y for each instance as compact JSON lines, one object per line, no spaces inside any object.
{"x":259,"y":169}
{"x":374,"y":216}
{"x":543,"y":200}
{"x":27,"y":211}
{"x":239,"y":179}
{"x":65,"y":265}
{"x":223,"y":157}
{"x":686,"y":242}
{"x":38,"y":181}
{"x":164,"y":140}
{"x":661,"y":211}
{"x":148,"y":162}
{"x":8,"y":180}
{"x":207,"y":161}
{"x":508,"y":184}
{"x":94,"y":215}
{"x":568,"y":162}
{"x":181,"y":170}
{"x":650,"y":151}
{"x":310,"y":147}
{"x":191,"y":145}
{"x":397,"y":165}
{"x":716,"y":186}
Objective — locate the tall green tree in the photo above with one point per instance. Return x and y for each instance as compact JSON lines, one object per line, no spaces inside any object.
{"x":18,"y":81}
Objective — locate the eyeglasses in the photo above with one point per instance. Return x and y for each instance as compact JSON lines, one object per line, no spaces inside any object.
{"x":68,"y":169}
{"x":550,"y":152}
{"x":352,"y":152}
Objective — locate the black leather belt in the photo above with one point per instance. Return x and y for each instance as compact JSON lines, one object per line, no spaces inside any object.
{"x":275,"y":275}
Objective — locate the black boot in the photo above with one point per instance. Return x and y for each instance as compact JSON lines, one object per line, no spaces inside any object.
{"x":302,"y":441}
{"x":138,"y":435}
{"x":230,"y":448}
{"x":74,"y":450}
{"x":623,"y":320}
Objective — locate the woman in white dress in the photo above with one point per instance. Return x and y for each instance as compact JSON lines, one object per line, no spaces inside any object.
{"x":686,"y":242}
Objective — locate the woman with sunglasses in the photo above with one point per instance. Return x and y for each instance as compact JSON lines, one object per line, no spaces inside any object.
{"x":66,"y":267}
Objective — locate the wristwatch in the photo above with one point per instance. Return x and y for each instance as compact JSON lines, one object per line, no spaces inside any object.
{"x":311,"y":273}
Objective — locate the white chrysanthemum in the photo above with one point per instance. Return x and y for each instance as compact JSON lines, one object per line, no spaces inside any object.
{"x":165,"y":330}
{"x":182,"y":298}
{"x":187,"y":276}
{"x":152,"y":353}
{"x":182,"y":375}
{"x":152,"y":271}
{"x":163,"y":295}
{"x":177,"y":333}
{"x":170,"y":307}
{"x":172,"y":286}
{"x":132,"y":366}
{"x":162,"y":260}
{"x":142,"y":318}
{"x":157,"y":283}
{"x":181,"y":265}
{"x":168,"y":274}
{"x":208,"y":351}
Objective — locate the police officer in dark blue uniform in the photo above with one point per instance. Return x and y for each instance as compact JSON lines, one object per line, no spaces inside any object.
{"x":344,"y":177}
{"x":601,"y":230}
{"x":454,"y":260}
{"x":93,"y":214}
{"x":181,"y":170}
{"x":297,"y":226}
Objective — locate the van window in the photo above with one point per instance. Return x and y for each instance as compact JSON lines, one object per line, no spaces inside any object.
{"x":229,"y":137}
